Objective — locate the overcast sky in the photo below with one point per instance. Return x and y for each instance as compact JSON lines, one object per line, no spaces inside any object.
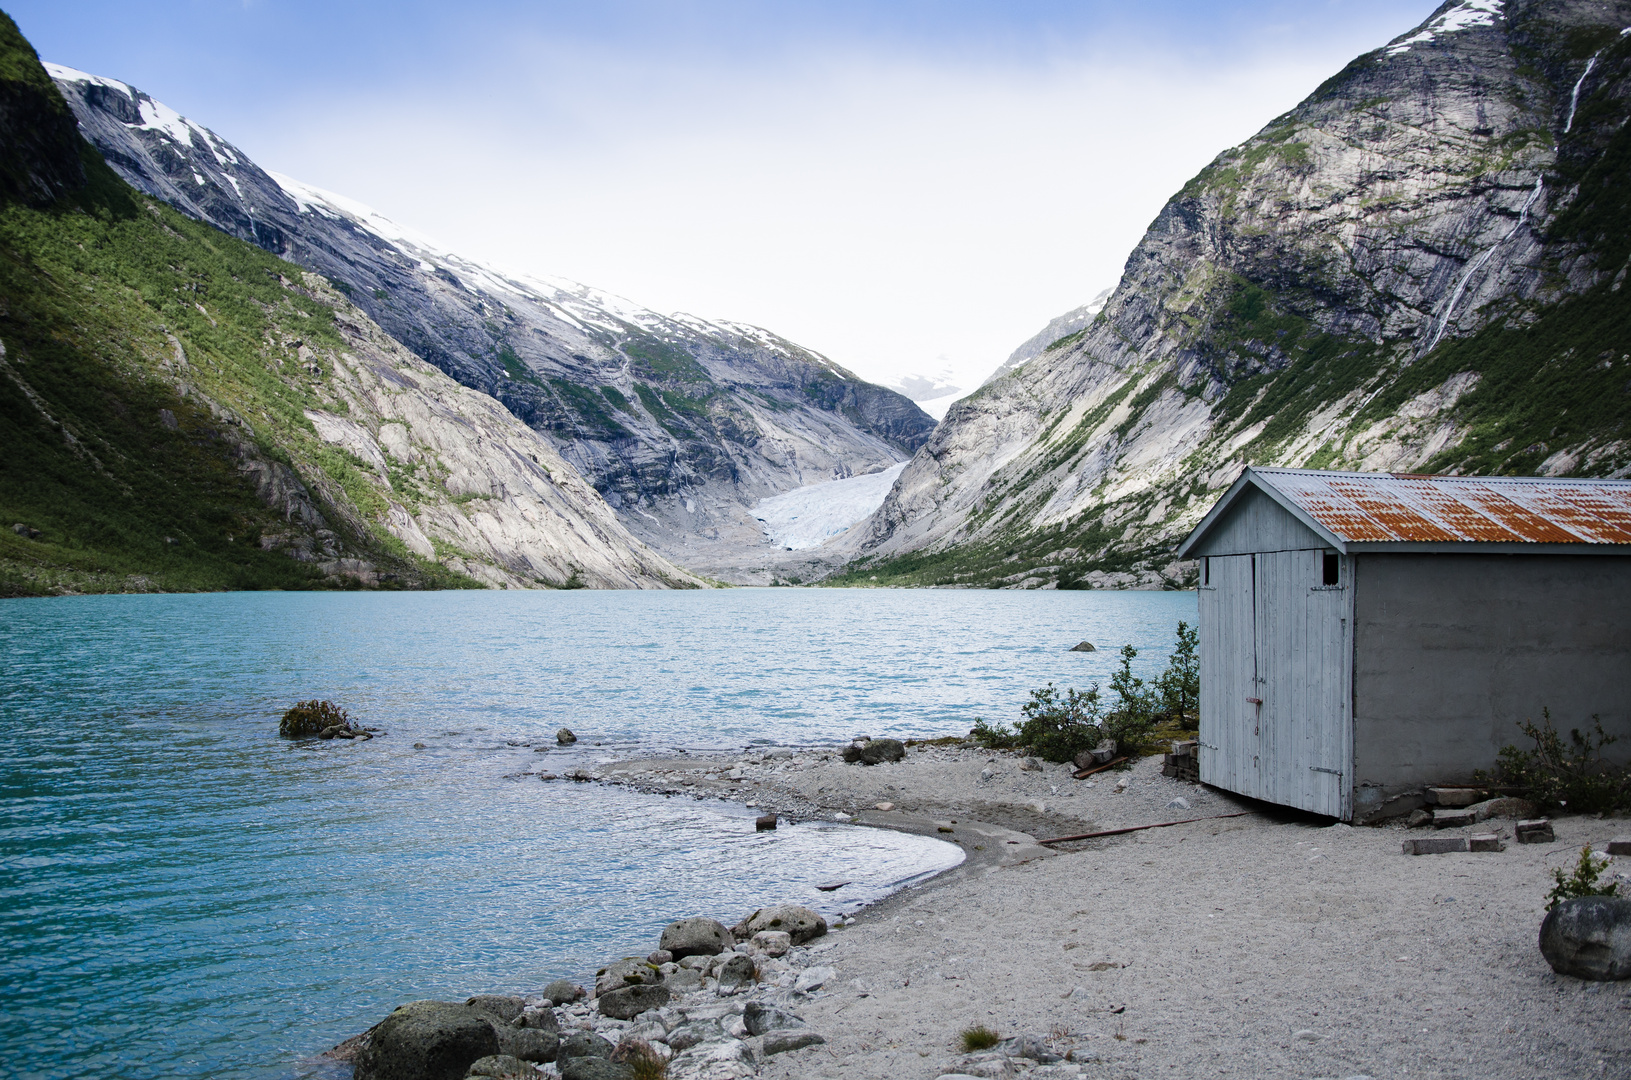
{"x":910,"y":188}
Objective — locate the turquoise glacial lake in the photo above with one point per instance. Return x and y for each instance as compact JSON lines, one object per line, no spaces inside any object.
{"x":183,"y":894}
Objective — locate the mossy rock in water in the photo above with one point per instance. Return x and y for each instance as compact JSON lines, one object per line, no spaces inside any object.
{"x":309,"y":718}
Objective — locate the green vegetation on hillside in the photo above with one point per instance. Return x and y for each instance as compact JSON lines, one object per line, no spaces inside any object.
{"x":125,"y":326}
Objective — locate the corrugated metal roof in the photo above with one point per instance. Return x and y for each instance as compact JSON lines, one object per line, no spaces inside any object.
{"x":1394,"y":507}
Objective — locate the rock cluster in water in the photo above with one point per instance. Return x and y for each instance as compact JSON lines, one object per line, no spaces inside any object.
{"x":710,"y":1003}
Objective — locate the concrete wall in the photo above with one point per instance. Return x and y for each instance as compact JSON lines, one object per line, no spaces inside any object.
{"x":1452,"y":651}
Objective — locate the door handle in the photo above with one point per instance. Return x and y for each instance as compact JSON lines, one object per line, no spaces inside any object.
{"x":1255,"y":700}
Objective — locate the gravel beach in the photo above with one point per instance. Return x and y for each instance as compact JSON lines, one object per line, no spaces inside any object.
{"x":1267,"y":945}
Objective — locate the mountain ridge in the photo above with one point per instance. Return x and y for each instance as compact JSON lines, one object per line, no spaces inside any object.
{"x":182,"y":410}
{"x":681,"y":423}
{"x":1415,"y":269}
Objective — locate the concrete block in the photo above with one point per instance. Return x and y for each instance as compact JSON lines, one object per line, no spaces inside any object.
{"x":1454,"y":817}
{"x":1538,"y":831}
{"x":1434,"y":845}
{"x":1454,"y":796}
{"x":1620,"y":845}
{"x":1484,"y":842}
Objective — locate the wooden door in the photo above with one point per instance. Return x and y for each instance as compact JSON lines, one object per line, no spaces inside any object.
{"x":1304,"y":732}
{"x":1228,"y":645}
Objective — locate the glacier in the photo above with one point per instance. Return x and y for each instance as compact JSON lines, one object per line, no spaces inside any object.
{"x":808,"y":516}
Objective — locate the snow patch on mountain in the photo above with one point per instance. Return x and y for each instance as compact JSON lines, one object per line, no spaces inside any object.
{"x":805,"y":517}
{"x":1471,"y":13}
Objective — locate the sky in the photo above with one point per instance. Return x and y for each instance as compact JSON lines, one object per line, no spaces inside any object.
{"x":912,"y":188}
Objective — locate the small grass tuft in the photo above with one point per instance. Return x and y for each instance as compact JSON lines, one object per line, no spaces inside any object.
{"x":978,"y":1037}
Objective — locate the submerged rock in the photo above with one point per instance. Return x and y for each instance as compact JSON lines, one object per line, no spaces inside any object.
{"x":564,"y":737}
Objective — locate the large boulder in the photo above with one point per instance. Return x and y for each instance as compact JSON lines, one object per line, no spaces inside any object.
{"x":1589,"y":937}
{"x":631,"y":1001}
{"x":629,"y":971}
{"x":501,"y":1007}
{"x":696,"y":937}
{"x":800,"y":923}
{"x":875,"y":752}
{"x":427,"y":1040}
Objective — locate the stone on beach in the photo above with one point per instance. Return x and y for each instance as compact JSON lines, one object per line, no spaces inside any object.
{"x":760,"y":1018}
{"x":1589,"y":937}
{"x":500,"y":1067}
{"x":813,"y":979}
{"x":564,"y":737}
{"x":529,"y":1044}
{"x":799,"y":922}
{"x":587,"y":1068}
{"x":780,"y":1042}
{"x":501,"y":1007}
{"x":631,"y":1001}
{"x":696,"y":936}
{"x":738,"y":971}
{"x":426,"y":1040}
{"x":563,"y":992}
{"x":772,"y":942}
{"x":875,"y":752}
{"x":629,"y":971}
{"x":583,"y":1044}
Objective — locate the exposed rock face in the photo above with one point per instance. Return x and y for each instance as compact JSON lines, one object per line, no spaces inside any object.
{"x":678,"y":419}
{"x":1413,"y":270}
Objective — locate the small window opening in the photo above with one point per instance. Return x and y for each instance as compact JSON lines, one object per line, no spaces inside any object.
{"x":1206,"y":571}
{"x":1331,"y":569}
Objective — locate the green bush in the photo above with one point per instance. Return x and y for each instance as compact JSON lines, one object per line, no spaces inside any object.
{"x":1057,"y":727}
{"x":1583,"y":882}
{"x":978,"y":1037}
{"x":309,"y":718}
{"x":1570,"y":776}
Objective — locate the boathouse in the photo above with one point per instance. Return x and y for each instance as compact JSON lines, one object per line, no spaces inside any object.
{"x":1364,"y":635}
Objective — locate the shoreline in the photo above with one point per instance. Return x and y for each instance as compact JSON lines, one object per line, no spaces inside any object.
{"x":1270,"y":945}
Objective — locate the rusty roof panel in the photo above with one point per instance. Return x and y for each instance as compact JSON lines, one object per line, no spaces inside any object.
{"x":1384,"y":507}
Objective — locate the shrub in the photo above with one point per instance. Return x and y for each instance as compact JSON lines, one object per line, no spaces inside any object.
{"x":1180,"y":685}
{"x":1054,"y":727}
{"x":1568,"y":775}
{"x":979,"y":1037}
{"x":1583,"y":882}
{"x":1057,"y":726}
{"x":309,"y":718}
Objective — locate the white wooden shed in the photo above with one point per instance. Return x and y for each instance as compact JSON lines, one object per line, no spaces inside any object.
{"x":1365,"y":635}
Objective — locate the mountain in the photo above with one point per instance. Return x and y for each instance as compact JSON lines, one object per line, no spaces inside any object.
{"x":1418,"y":269}
{"x":1060,"y":333}
{"x":681,"y":423}
{"x":182,"y":410}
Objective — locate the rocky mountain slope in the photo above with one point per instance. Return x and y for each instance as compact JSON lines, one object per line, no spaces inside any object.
{"x":681,"y":423}
{"x":1419,"y":268}
{"x":181,"y":410}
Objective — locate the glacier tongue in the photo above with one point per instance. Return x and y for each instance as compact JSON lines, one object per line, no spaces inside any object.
{"x":804,"y":517}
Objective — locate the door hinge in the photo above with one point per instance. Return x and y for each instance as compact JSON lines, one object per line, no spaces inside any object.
{"x":1208,"y":745}
{"x":1255,"y":700}
{"x":1333,"y":772}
